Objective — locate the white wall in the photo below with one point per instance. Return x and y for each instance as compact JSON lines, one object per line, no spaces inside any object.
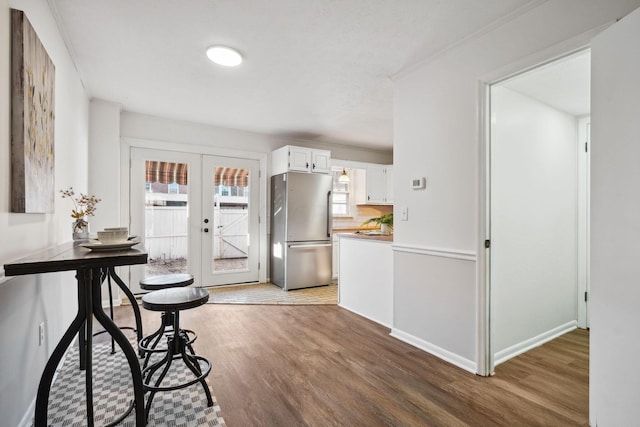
{"x":104,"y":158}
{"x":438,"y":134}
{"x":534,"y":183}
{"x":141,"y":126}
{"x":615,"y":226}
{"x":51,"y":298}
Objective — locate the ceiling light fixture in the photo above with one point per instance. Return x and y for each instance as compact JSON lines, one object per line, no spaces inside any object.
{"x":344,"y":178}
{"x":223,"y":55}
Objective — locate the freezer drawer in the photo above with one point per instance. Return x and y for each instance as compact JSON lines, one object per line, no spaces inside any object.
{"x":307,"y":264}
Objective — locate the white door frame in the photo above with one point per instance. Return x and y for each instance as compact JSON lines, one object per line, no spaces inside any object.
{"x":127,"y":143}
{"x":484,"y":355}
{"x":584,"y":174}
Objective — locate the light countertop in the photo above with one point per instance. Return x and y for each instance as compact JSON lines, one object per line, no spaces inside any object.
{"x":364,"y":236}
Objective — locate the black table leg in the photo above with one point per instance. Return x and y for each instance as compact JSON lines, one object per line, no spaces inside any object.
{"x":89,"y":284}
{"x":82,"y":334}
{"x":124,"y":344}
{"x":44,"y":388}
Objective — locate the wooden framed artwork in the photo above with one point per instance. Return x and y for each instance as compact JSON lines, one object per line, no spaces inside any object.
{"x":32,"y":120}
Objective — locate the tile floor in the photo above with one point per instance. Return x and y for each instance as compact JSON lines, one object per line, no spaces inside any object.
{"x":267,"y":293}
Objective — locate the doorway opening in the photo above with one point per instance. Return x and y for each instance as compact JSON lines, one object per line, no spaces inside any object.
{"x":537,"y":199}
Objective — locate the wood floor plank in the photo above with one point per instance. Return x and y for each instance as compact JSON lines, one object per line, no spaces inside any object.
{"x":325,"y":366}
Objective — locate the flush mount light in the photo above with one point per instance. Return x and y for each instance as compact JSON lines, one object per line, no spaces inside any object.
{"x":223,"y":55}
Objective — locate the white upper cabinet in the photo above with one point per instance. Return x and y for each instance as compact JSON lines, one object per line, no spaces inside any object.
{"x":321,"y":161}
{"x":379,"y":184}
{"x":388,"y":184}
{"x":300,"y":159}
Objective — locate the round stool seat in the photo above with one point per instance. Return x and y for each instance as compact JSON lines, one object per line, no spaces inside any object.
{"x":175,"y":299}
{"x":164,"y":281}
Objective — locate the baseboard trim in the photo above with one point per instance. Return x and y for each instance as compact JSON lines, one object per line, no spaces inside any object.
{"x":446,"y":355}
{"x":439,"y":252}
{"x":117,"y":302}
{"x":365,"y":316}
{"x":524,"y":346}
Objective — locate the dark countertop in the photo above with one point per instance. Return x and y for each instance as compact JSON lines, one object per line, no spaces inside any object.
{"x":377,"y":237}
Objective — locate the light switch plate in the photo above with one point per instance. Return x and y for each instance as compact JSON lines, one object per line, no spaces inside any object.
{"x":404,"y":213}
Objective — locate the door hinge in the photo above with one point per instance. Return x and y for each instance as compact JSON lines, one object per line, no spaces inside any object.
{"x":586,"y":147}
{"x":487,"y":244}
{"x":586,"y":296}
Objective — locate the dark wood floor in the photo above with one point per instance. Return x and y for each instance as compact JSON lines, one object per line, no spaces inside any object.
{"x":325,"y":366}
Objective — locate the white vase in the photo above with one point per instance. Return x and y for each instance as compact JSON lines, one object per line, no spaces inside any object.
{"x":385,"y":229}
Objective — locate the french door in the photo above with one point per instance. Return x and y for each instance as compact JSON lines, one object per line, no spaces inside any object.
{"x":230,"y":221}
{"x":195,"y":214}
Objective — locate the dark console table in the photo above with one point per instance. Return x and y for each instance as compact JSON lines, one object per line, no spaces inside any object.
{"x":90,"y":267}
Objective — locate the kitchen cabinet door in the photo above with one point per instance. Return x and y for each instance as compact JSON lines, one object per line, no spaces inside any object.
{"x":321,"y":161}
{"x":388,"y":184}
{"x":375,"y":184}
{"x":299,"y":159}
{"x":379,"y":184}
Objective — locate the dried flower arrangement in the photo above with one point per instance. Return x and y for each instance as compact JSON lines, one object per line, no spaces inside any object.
{"x":83,"y":206}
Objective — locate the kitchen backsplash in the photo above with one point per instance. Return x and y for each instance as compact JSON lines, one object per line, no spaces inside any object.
{"x":363,"y":213}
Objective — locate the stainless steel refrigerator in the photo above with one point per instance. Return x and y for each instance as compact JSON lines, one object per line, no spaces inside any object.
{"x":301,"y":223}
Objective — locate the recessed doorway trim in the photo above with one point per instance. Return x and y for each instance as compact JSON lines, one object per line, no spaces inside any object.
{"x":484,"y":356}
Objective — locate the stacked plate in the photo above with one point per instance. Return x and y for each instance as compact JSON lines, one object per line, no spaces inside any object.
{"x":111,"y":239}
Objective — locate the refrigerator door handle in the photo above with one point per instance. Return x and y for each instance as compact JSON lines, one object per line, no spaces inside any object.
{"x":318,"y":245}
{"x":329,"y":214}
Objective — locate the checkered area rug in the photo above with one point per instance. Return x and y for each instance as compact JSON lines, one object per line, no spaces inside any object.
{"x":267,"y":293}
{"x":113,"y":391}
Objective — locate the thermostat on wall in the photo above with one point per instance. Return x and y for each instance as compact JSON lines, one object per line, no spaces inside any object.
{"x":418,"y":183}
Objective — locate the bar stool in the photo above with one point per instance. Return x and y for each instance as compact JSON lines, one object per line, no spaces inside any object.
{"x":174,"y":300}
{"x":155,"y":283}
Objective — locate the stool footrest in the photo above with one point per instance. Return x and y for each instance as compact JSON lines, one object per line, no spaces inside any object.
{"x":147,"y":346}
{"x":199,"y":378}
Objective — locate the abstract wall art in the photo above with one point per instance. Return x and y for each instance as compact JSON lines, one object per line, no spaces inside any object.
{"x":32,"y":120}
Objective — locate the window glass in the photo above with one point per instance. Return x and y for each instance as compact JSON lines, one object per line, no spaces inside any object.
{"x":341,"y":193}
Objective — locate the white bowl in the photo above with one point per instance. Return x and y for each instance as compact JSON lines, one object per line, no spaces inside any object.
{"x":113,"y":236}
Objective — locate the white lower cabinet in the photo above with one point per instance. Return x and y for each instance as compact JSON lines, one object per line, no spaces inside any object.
{"x":366,"y":278}
{"x":336,"y":258}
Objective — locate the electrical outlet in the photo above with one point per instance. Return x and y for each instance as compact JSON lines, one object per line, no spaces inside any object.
{"x":41,"y":334}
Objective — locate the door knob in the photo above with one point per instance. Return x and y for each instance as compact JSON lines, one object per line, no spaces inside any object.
{"x":206,"y":220}
{"x":206,"y":230}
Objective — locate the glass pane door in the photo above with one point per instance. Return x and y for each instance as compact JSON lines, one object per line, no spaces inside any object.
{"x":161,"y":201}
{"x":230,"y":220}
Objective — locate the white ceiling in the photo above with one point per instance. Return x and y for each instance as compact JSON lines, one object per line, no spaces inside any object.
{"x":564,"y":84}
{"x":316,"y":70}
